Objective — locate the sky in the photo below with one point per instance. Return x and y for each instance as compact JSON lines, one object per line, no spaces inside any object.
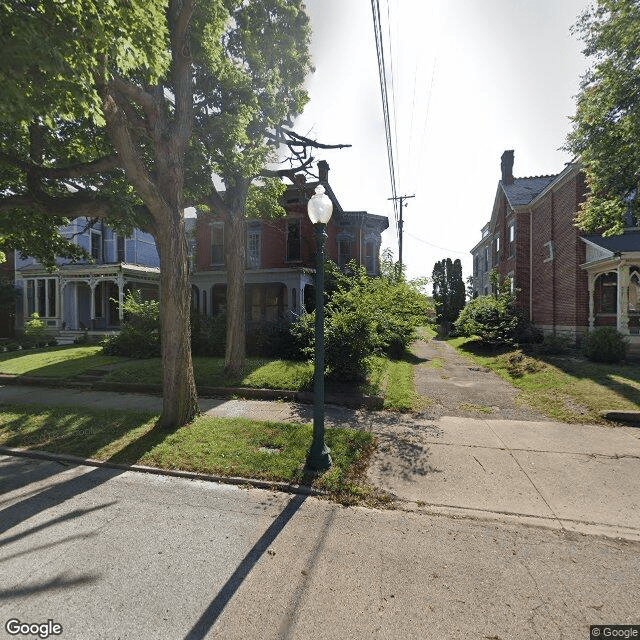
{"x":467,"y":79}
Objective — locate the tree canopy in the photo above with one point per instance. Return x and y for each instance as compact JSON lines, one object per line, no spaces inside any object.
{"x":448,"y":291}
{"x":606,"y":132}
{"x":122,"y":110}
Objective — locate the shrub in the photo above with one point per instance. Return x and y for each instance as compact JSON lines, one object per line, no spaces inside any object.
{"x":139,"y":336}
{"x":35,"y":331}
{"x":274,"y":340}
{"x":554,"y":345}
{"x":364,"y":316}
{"x":208,"y":335}
{"x":492,"y":319}
{"x":605,"y":344}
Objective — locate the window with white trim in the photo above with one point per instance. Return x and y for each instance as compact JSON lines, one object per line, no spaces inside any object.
{"x":253,"y":247}
{"x":217,"y":243}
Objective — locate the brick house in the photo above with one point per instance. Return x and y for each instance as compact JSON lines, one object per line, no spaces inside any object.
{"x":280,"y":257}
{"x":567,"y":282}
{"x":87,"y":296}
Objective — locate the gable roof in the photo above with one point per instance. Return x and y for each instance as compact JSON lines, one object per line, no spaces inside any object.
{"x":523,"y":190}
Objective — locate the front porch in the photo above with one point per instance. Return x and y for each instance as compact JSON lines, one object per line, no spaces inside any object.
{"x":614,"y":291}
{"x":83,"y":298}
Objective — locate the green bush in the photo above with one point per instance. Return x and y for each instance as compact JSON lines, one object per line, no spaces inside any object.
{"x":35,"y":332}
{"x":208,"y":335}
{"x":492,"y":319}
{"x":364,"y":316}
{"x":605,"y":344}
{"x":274,"y":340}
{"x":139,"y":336}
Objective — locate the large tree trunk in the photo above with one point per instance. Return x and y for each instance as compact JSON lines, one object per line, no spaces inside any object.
{"x":179,"y":399}
{"x":235,"y":251}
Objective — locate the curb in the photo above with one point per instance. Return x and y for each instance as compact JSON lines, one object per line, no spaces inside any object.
{"x":174,"y":473}
{"x":351,"y":400}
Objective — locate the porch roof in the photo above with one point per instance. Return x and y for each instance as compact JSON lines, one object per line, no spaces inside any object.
{"x":629,"y":241}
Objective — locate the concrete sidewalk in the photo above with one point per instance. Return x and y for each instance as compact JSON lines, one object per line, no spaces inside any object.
{"x":582,"y":478}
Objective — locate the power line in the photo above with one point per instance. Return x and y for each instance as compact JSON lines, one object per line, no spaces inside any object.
{"x":377,"y":28}
{"x":435,"y":246}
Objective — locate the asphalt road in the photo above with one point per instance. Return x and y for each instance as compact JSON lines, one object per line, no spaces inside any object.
{"x":122,"y":555}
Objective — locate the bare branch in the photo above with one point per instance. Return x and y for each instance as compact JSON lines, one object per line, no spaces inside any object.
{"x":291,"y":138}
{"x":288,"y":173}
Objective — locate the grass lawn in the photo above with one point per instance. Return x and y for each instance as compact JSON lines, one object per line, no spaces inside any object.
{"x":565,"y":388}
{"x":273,"y":451}
{"x":209,"y":372}
{"x":55,"y":362}
{"x":393,"y":377}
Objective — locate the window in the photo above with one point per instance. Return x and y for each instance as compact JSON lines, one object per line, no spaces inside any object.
{"x":551,"y":249}
{"x":120,"y":252}
{"x":217,"y":243}
{"x":370,"y":258}
{"x":97,"y":301}
{"x":51,"y":297}
{"x":253,"y":248}
{"x":486,"y":259}
{"x":497,"y":250}
{"x":634,"y":292}
{"x":293,"y":241}
{"x":41,"y":297}
{"x":512,"y":231}
{"x":608,"y":297}
{"x":344,"y":253}
{"x":96,"y":246}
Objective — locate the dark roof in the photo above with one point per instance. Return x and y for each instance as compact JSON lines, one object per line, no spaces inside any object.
{"x":523,"y":190}
{"x":627,"y":241}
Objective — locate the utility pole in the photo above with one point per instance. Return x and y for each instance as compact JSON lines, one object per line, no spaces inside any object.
{"x":402,"y":204}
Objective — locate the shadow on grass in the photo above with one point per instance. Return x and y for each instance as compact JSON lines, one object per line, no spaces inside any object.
{"x":601,"y":374}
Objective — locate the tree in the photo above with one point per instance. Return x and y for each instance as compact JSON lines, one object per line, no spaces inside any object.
{"x":126,"y":108}
{"x":256,"y":86}
{"x":606,"y":126}
{"x":448,"y":291}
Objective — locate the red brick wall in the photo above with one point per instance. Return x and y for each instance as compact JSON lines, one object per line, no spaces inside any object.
{"x":560,"y":293}
{"x":274,"y":241}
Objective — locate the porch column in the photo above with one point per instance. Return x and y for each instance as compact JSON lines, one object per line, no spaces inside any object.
{"x":120,"y":296}
{"x":623,"y":298}
{"x":63,"y":284}
{"x":592,"y":287}
{"x":92,"y":310}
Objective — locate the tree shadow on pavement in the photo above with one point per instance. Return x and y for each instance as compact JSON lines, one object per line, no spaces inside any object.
{"x":202,"y":627}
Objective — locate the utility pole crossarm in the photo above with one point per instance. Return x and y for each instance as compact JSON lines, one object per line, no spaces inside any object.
{"x":400,"y":223}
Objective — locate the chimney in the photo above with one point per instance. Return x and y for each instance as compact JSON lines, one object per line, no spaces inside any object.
{"x":506,"y":166}
{"x":323,"y":171}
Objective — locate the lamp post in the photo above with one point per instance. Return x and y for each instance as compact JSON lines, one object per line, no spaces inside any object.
{"x":319,"y":209}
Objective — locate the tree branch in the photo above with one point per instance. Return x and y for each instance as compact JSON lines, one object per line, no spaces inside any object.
{"x":180,"y":13}
{"x":78,"y":170}
{"x":291,"y":138}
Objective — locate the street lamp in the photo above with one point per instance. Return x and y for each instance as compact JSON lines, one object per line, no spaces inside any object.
{"x":319,"y":209}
